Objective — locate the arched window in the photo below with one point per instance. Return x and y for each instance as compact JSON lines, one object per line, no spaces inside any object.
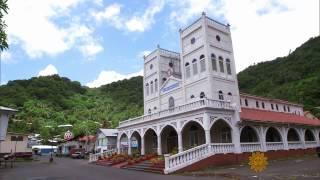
{"x":246,"y":102}
{"x":164,"y":80}
{"x":171,"y":103}
{"x":202,"y":95}
{"x":221,"y":64}
{"x":262,"y":105}
{"x":284,"y":108}
{"x":214,"y":62}
{"x":277,"y":107}
{"x":156,"y":85}
{"x":147,"y":89}
{"x":228,"y":66}
{"x":149,"y":111}
{"x":151,"y":87}
{"x":187,"y":65}
{"x":230,"y":96}
{"x":257,"y":104}
{"x":221,"y":95}
{"x":272,"y":106}
{"x":202,"y":63}
{"x":192,"y":96}
{"x":194,"y":67}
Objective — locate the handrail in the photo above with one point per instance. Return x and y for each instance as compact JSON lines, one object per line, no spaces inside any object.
{"x":218,"y":104}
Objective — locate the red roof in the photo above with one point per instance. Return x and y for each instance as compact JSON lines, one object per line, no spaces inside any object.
{"x":276,"y":117}
{"x":87,"y":138}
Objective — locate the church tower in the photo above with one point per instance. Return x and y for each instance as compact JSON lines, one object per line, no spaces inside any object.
{"x":208,"y":66}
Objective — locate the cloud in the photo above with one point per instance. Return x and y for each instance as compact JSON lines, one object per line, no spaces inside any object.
{"x":33,"y":25}
{"x":6,"y":57}
{"x":107,"y":77}
{"x":137,"y":23}
{"x":143,"y":53}
{"x":48,"y":71}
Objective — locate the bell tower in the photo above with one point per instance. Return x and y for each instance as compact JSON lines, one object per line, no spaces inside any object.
{"x":208,"y":66}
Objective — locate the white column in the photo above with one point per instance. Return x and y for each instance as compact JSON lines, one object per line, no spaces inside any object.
{"x":118,"y":143}
{"x":262,"y":139}
{"x":302,"y":134}
{"x":180,"y":146}
{"x":236,"y":132}
{"x":142,"y":146}
{"x":236,"y":139}
{"x":285,"y":138}
{"x":129,"y":146}
{"x":159,"y":144}
{"x":206,"y":124}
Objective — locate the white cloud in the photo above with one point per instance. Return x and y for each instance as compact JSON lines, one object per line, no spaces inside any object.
{"x":261,"y":29}
{"x":137,"y":23}
{"x":6,"y":57}
{"x":48,"y":71}
{"x":107,"y":77}
{"x":31,"y":25}
{"x":143,"y":53}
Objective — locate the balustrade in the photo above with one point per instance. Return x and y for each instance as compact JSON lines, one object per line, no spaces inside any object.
{"x":274,"y":146}
{"x":311,"y":144}
{"x":218,"y":104}
{"x":251,"y":147}
{"x":295,"y":145}
{"x":95,"y":157}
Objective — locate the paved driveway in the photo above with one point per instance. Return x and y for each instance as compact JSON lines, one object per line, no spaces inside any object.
{"x":74,"y":169}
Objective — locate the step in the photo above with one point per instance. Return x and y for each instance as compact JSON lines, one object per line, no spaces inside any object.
{"x":160,"y":171}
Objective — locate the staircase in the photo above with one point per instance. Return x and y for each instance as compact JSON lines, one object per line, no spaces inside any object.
{"x":183,"y":159}
{"x":146,"y":166}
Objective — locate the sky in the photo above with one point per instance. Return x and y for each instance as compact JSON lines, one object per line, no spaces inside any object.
{"x":97,"y":42}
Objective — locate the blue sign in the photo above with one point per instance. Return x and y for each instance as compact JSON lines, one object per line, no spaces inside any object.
{"x":170,"y":87}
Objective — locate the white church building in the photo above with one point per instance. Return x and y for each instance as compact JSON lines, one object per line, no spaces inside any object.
{"x":193,"y":108}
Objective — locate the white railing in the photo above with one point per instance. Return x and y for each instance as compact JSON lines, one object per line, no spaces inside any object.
{"x":295,"y":145}
{"x":251,"y":147}
{"x":95,"y":157}
{"x":274,"y":146}
{"x":311,"y":144}
{"x":217,"y":104}
{"x":190,"y":156}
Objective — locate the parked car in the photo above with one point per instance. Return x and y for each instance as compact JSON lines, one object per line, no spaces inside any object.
{"x":77,"y":155}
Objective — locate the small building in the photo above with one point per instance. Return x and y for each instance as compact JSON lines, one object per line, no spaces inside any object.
{"x":4,"y":118}
{"x":16,"y":143}
{"x":87,"y":143}
{"x":106,"y":139}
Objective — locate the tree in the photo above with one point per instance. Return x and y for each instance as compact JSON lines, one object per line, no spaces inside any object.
{"x":3,"y":35}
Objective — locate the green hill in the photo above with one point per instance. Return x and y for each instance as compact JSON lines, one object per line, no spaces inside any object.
{"x":45,"y":102}
{"x":295,"y":77}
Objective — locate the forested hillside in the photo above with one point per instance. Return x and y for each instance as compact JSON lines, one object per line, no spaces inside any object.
{"x":295,"y":77}
{"x":46,"y":102}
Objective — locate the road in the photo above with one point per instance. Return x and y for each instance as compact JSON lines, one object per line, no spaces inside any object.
{"x":75,"y":169}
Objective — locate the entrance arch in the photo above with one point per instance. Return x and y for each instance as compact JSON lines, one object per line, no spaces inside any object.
{"x":192,"y":135}
{"x":309,"y":136}
{"x":135,"y":141}
{"x":124,"y":143}
{"x":248,"y":134}
{"x":169,"y":140}
{"x":293,"y":135}
{"x":273,"y":135}
{"x":220,"y":132}
{"x":150,"y":141}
